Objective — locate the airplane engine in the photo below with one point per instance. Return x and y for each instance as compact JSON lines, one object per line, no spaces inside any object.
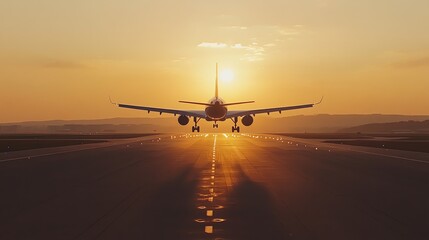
{"x":183,"y":120}
{"x":247,"y":120}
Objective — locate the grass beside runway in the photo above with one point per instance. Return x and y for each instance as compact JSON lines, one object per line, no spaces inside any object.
{"x":417,"y":142}
{"x":18,"y":142}
{"x":409,"y":145}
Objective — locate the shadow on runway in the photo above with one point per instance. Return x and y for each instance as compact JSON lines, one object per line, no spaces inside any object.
{"x":167,"y":213}
{"x":170,"y":210}
{"x":251,"y":214}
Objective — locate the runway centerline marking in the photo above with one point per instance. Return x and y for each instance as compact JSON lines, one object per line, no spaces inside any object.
{"x":209,"y":201}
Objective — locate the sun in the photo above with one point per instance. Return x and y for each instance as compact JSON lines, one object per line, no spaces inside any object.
{"x":226,"y":75}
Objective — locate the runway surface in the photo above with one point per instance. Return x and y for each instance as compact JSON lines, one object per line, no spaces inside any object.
{"x":214,"y":186}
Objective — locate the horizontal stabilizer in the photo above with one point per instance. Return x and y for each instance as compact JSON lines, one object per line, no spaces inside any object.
{"x":197,"y":103}
{"x":237,"y":103}
{"x":225,"y":104}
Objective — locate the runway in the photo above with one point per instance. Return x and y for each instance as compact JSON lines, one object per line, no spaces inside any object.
{"x":214,"y":186}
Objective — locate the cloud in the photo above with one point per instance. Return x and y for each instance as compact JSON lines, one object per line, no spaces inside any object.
{"x":253,"y":52}
{"x":253,"y":42}
{"x":238,"y":46}
{"x":212,"y":45}
{"x":414,"y":63}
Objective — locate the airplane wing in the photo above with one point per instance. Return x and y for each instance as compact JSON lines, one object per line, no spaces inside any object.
{"x":232,"y":114}
{"x":189,"y":113}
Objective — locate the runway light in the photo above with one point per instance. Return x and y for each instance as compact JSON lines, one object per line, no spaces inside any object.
{"x":209,"y":213}
{"x":208,"y":229}
{"x":218,"y":220}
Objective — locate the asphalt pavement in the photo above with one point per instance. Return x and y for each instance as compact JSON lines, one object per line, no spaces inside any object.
{"x":214,"y":186}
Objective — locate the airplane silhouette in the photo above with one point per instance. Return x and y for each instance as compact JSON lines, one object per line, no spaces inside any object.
{"x":216,"y":110}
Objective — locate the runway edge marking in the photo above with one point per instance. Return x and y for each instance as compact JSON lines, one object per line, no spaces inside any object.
{"x":71,"y":150}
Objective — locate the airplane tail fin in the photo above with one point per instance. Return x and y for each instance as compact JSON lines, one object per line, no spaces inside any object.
{"x":217,"y":82}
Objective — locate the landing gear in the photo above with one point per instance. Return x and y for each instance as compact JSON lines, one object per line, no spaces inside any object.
{"x":235,"y":127}
{"x":196,"y":127}
{"x":215,"y":125}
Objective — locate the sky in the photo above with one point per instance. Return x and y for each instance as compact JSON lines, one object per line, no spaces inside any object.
{"x":63,"y":59}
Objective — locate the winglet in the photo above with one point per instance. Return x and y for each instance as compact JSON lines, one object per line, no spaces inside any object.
{"x":112,"y":102}
{"x":319,"y":102}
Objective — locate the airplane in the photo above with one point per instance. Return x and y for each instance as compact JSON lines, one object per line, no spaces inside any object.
{"x":216,"y":110}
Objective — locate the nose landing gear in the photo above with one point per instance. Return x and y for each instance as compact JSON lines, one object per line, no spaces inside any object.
{"x":196,"y":127}
{"x":215,"y":125}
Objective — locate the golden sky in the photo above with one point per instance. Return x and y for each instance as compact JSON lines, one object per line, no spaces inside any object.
{"x":62,"y":59}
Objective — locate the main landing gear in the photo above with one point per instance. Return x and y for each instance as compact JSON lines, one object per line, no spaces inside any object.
{"x":196,"y":127}
{"x":235,"y":127}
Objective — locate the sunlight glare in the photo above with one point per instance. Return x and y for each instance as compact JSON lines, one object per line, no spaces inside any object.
{"x":226,"y":75}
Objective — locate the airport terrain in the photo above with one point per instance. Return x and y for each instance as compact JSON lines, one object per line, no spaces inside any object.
{"x":214,"y":186}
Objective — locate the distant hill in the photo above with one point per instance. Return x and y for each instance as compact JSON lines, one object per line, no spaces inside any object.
{"x":392,"y":127}
{"x":328,"y":122}
{"x":262,"y":123}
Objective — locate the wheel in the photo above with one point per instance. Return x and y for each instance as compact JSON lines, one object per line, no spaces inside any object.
{"x":198,"y":129}
{"x":233,"y":129}
{"x":238,"y":129}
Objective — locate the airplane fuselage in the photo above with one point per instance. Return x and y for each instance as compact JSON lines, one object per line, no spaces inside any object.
{"x":216,"y":112}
